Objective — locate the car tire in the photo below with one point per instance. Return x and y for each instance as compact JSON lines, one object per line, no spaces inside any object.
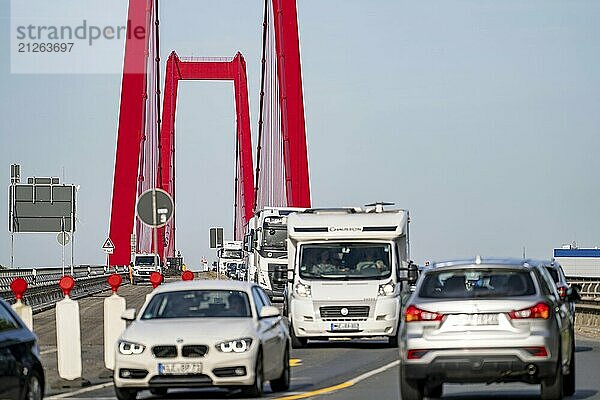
{"x":256,"y":389}
{"x":569,"y":380}
{"x":34,"y":389}
{"x":434,"y":391}
{"x":552,"y":387}
{"x":159,"y":391}
{"x":410,"y":389}
{"x":283,"y":382}
{"x":297,"y":342}
{"x":125,"y":394}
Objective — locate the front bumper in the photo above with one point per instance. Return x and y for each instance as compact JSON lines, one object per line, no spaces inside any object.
{"x":381,"y":321}
{"x":214,"y":365}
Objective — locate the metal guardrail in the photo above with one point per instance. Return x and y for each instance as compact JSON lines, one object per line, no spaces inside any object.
{"x":587,"y":313}
{"x":43,"y":290}
{"x":590,"y":289}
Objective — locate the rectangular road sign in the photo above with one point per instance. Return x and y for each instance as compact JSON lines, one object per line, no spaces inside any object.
{"x":41,"y":207}
{"x":216,"y":237}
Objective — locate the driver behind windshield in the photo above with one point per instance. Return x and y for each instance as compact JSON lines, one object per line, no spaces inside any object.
{"x":371,"y":261}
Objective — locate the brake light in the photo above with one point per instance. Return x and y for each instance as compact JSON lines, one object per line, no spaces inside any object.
{"x":538,"y":351}
{"x":562,"y":291}
{"x":540,"y":310}
{"x":413,"y":313}
{"x":415,"y":354}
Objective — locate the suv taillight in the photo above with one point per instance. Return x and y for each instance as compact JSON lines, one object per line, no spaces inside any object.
{"x":540,"y":310}
{"x":562,"y":291}
{"x":413,"y":313}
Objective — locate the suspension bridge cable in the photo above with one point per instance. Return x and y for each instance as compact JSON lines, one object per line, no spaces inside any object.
{"x":261,"y":102}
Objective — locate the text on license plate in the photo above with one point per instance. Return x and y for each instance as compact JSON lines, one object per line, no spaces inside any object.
{"x":179,"y":368}
{"x":344,"y":326}
{"x":476,"y":319}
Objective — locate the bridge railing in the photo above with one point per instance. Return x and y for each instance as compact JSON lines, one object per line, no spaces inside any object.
{"x":43,"y":290}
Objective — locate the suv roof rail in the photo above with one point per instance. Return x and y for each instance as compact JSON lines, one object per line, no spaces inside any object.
{"x":347,"y":210}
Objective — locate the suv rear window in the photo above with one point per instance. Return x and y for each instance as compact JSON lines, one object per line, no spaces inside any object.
{"x":474,"y":283}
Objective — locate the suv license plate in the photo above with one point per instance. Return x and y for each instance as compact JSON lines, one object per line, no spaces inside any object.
{"x":478,"y":319}
{"x":179,"y":368}
{"x":344,"y":326}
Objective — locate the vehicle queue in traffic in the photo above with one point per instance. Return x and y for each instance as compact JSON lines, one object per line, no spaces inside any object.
{"x":348,"y":275}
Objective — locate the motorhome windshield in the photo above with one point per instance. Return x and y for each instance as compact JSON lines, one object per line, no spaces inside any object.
{"x":345,"y":261}
{"x":275,"y":237}
{"x":225,"y":253}
{"x":145,"y":260}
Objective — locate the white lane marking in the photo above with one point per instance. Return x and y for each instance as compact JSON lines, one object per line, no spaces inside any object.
{"x":80,"y":391}
{"x":369,"y":374}
{"x":48,"y":351}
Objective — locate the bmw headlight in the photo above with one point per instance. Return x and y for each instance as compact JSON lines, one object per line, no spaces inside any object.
{"x":235,"y":346}
{"x":128,"y":348}
{"x":302,"y":290}
{"x":387,"y":289}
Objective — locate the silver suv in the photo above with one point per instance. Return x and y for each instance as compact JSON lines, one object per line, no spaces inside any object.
{"x":486,"y":321}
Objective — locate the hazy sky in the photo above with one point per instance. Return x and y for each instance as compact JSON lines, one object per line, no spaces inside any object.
{"x":480,"y":117}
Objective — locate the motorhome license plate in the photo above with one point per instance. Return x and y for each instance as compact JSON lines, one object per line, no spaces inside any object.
{"x":179,"y":368}
{"x":476,"y":319}
{"x":344,"y":326}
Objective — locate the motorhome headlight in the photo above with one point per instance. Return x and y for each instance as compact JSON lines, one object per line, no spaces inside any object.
{"x":235,"y":346}
{"x":302,"y":290}
{"x":128,"y":348}
{"x":387,"y":289}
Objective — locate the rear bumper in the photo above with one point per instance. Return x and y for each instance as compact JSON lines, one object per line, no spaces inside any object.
{"x":475,"y":368}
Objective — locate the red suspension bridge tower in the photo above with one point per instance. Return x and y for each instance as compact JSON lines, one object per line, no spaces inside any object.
{"x":145,"y":156}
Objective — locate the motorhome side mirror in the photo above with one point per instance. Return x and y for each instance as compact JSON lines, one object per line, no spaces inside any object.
{"x":413,"y":273}
{"x":128,"y":315}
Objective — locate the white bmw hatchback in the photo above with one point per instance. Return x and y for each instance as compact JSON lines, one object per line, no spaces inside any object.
{"x":193,"y":334}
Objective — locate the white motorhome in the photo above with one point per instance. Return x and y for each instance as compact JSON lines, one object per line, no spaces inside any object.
{"x":348,"y":270}
{"x":143,"y":265}
{"x":230,"y":255}
{"x":266,"y":244}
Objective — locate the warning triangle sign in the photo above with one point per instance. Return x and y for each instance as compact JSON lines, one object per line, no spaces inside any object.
{"x":108,"y":245}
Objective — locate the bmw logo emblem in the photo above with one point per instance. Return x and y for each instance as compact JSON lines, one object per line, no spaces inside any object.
{"x":344,"y":311}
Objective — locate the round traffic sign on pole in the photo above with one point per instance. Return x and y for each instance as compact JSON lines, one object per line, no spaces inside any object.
{"x":155,"y":207}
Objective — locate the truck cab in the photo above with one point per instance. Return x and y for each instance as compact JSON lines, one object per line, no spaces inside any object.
{"x":230,"y":256}
{"x":266,"y":244}
{"x":143,"y":265}
{"x":348,"y":271}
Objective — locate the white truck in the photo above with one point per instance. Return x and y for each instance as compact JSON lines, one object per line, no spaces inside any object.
{"x":348,"y":272}
{"x":143,"y":265}
{"x":266,"y":244}
{"x":230,"y":256}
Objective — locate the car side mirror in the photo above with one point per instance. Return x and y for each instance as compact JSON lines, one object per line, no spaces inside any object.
{"x":249,"y":242}
{"x":128,"y":315}
{"x":269,"y":312}
{"x":413,"y":273}
{"x":573,"y":293}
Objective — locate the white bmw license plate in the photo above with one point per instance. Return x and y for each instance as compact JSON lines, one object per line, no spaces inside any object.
{"x":179,"y":368}
{"x":477,"y":319}
{"x":344,"y":326}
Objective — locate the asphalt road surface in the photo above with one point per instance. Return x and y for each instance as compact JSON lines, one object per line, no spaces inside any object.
{"x":335,"y":370}
{"x":353,"y":370}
